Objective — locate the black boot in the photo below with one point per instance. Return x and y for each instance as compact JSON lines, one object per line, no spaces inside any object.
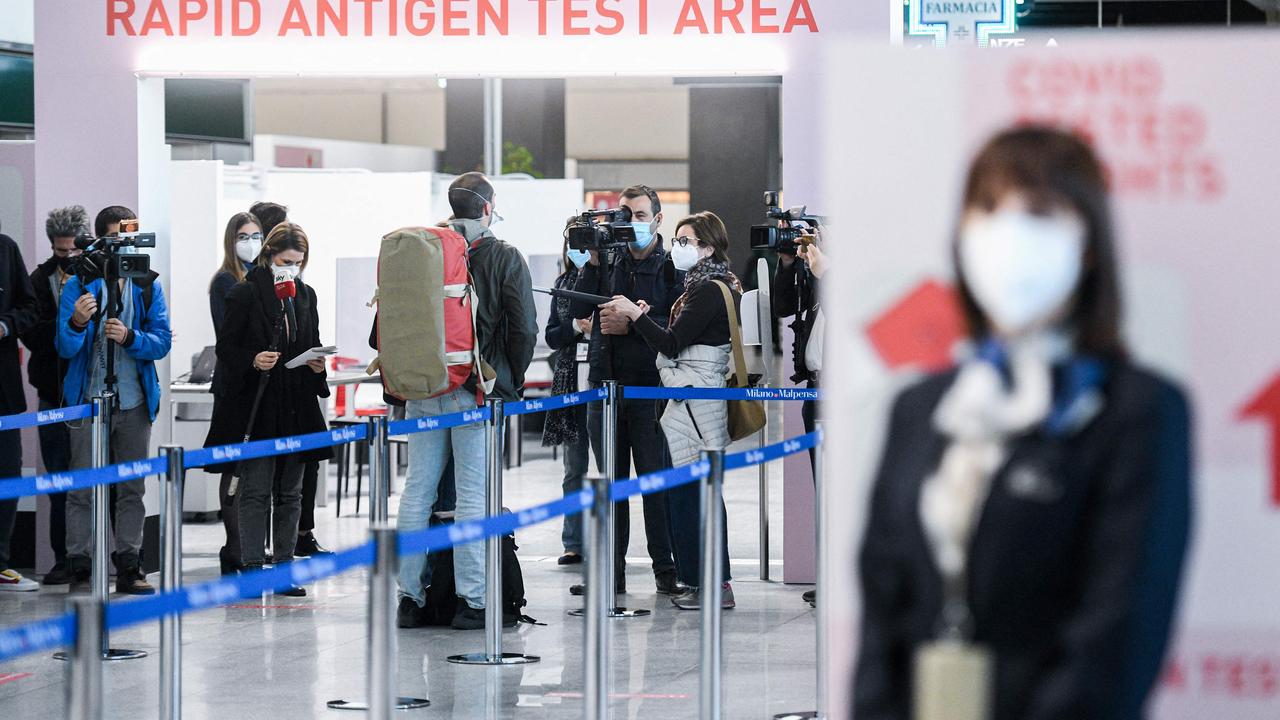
{"x":130,"y":580}
{"x":229,"y":564}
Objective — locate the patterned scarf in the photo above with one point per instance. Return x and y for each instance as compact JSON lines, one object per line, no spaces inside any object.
{"x":706,"y":269}
{"x":561,"y":425}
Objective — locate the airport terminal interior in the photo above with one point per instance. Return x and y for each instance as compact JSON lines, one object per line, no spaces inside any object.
{"x":919,"y":289}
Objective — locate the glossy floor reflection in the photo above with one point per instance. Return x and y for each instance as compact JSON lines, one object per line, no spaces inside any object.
{"x":284,"y":658}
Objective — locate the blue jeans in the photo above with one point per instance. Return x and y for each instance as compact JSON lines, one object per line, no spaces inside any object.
{"x":429,"y":453}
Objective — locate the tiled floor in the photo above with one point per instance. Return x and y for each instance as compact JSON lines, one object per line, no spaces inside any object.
{"x":287,"y":658}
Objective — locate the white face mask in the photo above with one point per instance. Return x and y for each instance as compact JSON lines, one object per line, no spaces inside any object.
{"x":247,"y":250}
{"x":285,"y":273}
{"x":1021,"y":267}
{"x":685,"y":257}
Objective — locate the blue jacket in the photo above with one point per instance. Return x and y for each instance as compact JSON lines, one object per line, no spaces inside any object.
{"x":151,"y":341}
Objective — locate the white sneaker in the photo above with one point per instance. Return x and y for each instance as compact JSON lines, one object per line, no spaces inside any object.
{"x":11,"y":581}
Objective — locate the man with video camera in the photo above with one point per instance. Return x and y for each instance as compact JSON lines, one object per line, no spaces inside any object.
{"x":795,"y":292}
{"x":136,"y":334}
{"x":641,"y":271}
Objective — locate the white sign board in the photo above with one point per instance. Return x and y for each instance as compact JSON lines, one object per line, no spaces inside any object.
{"x":1186,"y":127}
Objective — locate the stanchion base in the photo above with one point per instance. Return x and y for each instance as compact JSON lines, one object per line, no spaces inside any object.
{"x":108,"y":656}
{"x":485,"y":659}
{"x":402,"y":703}
{"x":807,"y":715}
{"x":617,"y":612}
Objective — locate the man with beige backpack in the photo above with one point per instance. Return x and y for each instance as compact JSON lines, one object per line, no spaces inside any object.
{"x":460,"y":288}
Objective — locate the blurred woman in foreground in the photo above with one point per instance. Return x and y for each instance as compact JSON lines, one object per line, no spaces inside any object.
{"x":1030,"y":517}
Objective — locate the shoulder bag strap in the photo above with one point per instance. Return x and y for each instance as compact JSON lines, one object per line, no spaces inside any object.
{"x":735,"y":334}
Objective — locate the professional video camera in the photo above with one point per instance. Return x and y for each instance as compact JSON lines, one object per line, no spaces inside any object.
{"x":105,"y":257}
{"x":602,"y":230}
{"x":783,"y":230}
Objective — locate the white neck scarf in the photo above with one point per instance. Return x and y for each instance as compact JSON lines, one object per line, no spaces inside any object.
{"x":980,"y":414}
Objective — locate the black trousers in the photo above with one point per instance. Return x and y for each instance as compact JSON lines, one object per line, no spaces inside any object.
{"x":10,"y":467}
{"x":310,"y":483}
{"x":55,"y":451}
{"x":639,"y":438}
{"x":809,"y":413}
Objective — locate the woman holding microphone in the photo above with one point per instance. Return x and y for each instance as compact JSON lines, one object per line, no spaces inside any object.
{"x":695,"y":351}
{"x":269,"y":318}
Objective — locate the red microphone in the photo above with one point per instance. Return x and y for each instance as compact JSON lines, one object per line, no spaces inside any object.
{"x":285,"y":287}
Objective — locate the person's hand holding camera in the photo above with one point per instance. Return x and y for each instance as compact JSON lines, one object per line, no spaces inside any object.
{"x":621,"y":306}
{"x":267,"y":360}
{"x":812,"y":254}
{"x":86,"y":308}
{"x":116,"y":331}
{"x":613,"y":322}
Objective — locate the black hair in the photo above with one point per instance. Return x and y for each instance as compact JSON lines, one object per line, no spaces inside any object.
{"x":1054,"y":169}
{"x":269,"y":215}
{"x":468,"y":195}
{"x":109,"y":216}
{"x":637,"y":191}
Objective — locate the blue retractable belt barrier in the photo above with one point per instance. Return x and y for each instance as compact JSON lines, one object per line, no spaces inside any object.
{"x":524,"y":407}
{"x":60,"y":630}
{"x":690,"y":393}
{"x":441,"y":422}
{"x":465,"y":531}
{"x":748,"y":458}
{"x":45,"y":417}
{"x":36,"y":636}
{"x":269,"y":448}
{"x":81,"y":479}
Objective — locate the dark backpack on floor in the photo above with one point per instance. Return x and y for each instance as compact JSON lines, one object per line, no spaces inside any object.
{"x":442,"y":594}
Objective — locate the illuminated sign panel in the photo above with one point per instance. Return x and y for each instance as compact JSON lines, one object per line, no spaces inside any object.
{"x":962,"y":21}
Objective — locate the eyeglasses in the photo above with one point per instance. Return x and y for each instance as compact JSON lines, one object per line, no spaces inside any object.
{"x":683,"y":241}
{"x":256,"y":237}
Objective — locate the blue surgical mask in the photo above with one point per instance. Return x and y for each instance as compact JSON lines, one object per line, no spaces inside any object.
{"x":644,"y":235}
{"x":579,"y":257}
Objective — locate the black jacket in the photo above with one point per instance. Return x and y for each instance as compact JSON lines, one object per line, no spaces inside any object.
{"x":796,"y":293}
{"x":46,"y":369}
{"x":290,"y":403}
{"x":506,"y":319}
{"x":628,"y":358}
{"x":560,"y":332}
{"x":221,"y":284}
{"x":1073,"y":577}
{"x":18,"y":313}
{"x":704,"y":320}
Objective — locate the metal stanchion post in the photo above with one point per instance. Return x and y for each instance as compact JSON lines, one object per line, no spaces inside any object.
{"x":596,"y":655}
{"x":84,"y":689}
{"x":764,"y":507}
{"x":170,"y":581}
{"x":609,"y":432}
{"x":493,"y":654}
{"x":100,"y":448}
{"x":379,"y":471}
{"x":382,"y":591}
{"x":821,"y":644}
{"x":712,"y":580}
